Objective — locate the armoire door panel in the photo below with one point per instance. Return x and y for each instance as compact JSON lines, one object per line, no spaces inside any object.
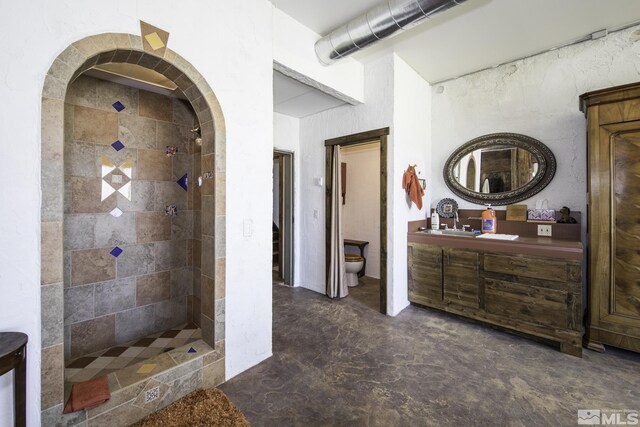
{"x":613,"y":152}
{"x":625,"y":180}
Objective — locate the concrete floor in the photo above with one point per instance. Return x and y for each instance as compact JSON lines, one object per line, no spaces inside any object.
{"x":342,"y":363}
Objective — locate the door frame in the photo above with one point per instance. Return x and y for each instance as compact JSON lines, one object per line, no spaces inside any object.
{"x":285,"y":241}
{"x":361,"y":138}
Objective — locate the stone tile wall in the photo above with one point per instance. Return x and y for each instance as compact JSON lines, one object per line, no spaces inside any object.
{"x":110,"y":300}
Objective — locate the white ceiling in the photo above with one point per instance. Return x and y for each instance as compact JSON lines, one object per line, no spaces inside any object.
{"x":476,"y":34}
{"x":295,"y":99}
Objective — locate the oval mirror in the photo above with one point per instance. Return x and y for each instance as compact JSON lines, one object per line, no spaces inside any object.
{"x":499,"y":168}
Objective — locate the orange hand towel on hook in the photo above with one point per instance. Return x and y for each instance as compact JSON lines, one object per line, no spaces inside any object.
{"x":411,"y":184}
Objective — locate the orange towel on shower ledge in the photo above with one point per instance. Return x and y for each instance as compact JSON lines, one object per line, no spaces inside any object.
{"x":411,"y":184}
{"x":88,"y":394}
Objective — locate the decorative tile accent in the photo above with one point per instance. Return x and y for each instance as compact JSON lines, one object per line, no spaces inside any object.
{"x":117,"y":145}
{"x":146,"y":368}
{"x":127,"y":168}
{"x":116,"y":252}
{"x":116,"y":212}
{"x":107,"y":165}
{"x":191,"y":350}
{"x":118,"y":106}
{"x":125,"y":190}
{"x":107,"y":190}
{"x":183,"y":182}
{"x":154,"y":39}
{"x":110,"y":177}
{"x":171,"y":210}
{"x":171,"y":150}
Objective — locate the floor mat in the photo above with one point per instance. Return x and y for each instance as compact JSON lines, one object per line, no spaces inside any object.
{"x":201,"y":408}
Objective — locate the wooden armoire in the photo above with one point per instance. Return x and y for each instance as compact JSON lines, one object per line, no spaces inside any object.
{"x":613,"y":152}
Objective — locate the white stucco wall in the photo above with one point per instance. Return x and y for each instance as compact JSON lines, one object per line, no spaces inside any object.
{"x":361,"y":210}
{"x":237,"y":67}
{"x":412,"y":146}
{"x":286,"y":137}
{"x":397,"y":97}
{"x":537,"y":96}
{"x":376,"y":112}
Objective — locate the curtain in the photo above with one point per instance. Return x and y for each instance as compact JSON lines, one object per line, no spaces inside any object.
{"x":336,"y":283}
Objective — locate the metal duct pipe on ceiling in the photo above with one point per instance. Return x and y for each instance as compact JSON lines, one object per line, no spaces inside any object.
{"x":378,"y":23}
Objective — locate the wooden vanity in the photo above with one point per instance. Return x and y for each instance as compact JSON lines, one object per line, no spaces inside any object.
{"x":531,"y":285}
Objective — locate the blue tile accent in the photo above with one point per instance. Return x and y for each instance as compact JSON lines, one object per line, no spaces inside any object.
{"x":118,"y":106}
{"x":183,"y":182}
{"x":117,"y":145}
{"x":192,"y":350}
{"x":116,"y":252}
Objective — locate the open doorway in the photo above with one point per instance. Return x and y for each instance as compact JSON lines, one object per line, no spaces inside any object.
{"x":361,"y":247}
{"x":282,"y":228}
{"x":360,"y":168}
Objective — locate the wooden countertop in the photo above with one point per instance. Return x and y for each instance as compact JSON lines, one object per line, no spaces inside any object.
{"x":536,"y":246}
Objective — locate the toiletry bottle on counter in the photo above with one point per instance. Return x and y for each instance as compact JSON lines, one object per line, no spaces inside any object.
{"x":489,"y":221}
{"x":435,"y":220}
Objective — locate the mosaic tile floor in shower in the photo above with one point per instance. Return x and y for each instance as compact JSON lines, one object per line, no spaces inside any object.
{"x":106,"y":361}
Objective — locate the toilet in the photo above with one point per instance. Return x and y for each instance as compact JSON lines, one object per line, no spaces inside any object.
{"x":352,"y":265}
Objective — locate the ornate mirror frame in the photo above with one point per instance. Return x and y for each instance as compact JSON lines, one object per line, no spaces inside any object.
{"x":546,"y":168}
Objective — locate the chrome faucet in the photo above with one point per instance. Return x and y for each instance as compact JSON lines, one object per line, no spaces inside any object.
{"x":455,"y":220}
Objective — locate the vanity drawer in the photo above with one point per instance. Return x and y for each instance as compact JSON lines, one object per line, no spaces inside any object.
{"x":526,"y":266}
{"x":532,"y":304}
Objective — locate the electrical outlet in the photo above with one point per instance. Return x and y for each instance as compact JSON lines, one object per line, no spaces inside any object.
{"x":544,"y":230}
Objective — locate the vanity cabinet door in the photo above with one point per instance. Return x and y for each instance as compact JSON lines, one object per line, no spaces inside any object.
{"x":461,"y":277}
{"x":536,"y":290}
{"x":425,"y":274}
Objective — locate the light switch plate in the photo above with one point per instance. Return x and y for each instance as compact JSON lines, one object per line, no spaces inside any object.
{"x":247,"y":228}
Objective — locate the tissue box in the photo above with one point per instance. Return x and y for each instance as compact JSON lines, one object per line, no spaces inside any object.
{"x":546,"y":215}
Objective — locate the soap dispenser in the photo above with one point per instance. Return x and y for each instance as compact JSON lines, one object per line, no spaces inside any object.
{"x":489,"y":221}
{"x":435,"y":220}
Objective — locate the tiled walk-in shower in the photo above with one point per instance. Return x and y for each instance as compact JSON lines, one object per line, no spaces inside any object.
{"x":132,"y":221}
{"x":130,"y":271}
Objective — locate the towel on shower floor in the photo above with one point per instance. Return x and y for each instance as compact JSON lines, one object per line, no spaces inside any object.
{"x":88,"y":394}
